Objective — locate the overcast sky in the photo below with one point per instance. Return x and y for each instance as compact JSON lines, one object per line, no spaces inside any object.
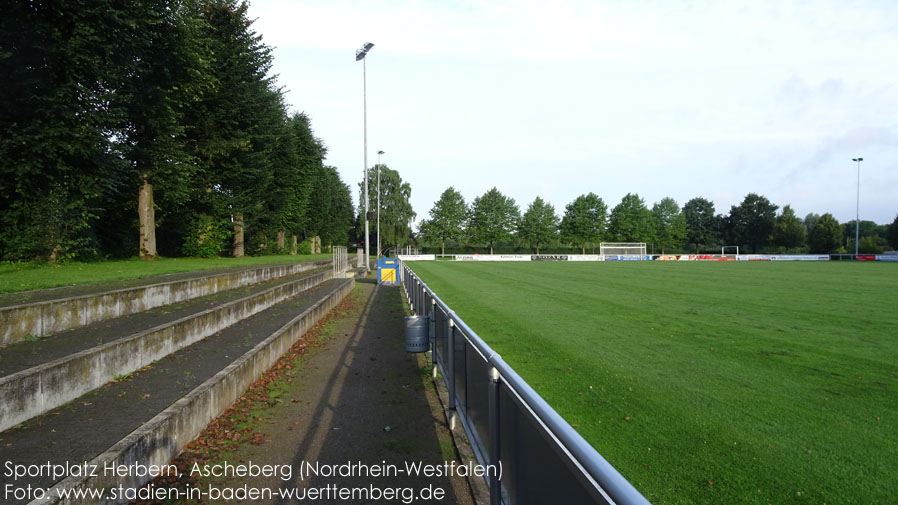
{"x":556,"y":99}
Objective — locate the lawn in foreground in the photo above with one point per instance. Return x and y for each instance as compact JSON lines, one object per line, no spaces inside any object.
{"x":27,"y":276}
{"x":706,"y":382}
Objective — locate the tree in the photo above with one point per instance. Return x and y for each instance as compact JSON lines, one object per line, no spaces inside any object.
{"x":337,"y":199}
{"x":584,"y":221}
{"x":892,"y":234}
{"x":874,"y":233}
{"x":631,"y":221}
{"x":670,"y":224}
{"x":751,"y":222}
{"x":169,"y":64}
{"x":810,"y":221}
{"x":60,"y":65}
{"x":494,"y":218}
{"x":396,"y":214}
{"x":702,"y":226}
{"x":826,"y":236}
{"x":539,"y":224}
{"x":789,"y":231}
{"x":447,"y":219}
{"x":236,"y":135}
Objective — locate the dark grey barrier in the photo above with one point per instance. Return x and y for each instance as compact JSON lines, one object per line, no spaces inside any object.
{"x":531,"y":455}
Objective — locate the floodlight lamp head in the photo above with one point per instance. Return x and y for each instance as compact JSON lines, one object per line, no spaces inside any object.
{"x":380,"y":152}
{"x":360,"y":53}
{"x":857,"y":159}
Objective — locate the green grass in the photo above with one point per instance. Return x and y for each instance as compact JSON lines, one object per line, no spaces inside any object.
{"x":743,"y":382}
{"x":27,"y":276}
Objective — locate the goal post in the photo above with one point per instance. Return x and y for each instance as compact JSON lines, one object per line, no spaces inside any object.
{"x":623,"y":250}
{"x":723,"y":250}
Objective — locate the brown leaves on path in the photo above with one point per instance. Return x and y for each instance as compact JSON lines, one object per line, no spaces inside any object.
{"x":236,"y":424}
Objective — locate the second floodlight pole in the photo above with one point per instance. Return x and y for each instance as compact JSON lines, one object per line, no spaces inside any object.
{"x":360,"y":55}
{"x":378,"y":202}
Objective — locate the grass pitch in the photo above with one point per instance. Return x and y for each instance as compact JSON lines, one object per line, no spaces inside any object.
{"x":706,"y":382}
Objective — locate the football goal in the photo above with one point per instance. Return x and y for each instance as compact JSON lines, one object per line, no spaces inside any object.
{"x":623,"y":250}
{"x":724,"y":249}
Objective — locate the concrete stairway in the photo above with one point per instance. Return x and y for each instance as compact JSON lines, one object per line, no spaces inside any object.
{"x":137,"y":388}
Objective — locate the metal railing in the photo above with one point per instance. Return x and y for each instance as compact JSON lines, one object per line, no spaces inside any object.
{"x":529,"y":453}
{"x":341,"y":260}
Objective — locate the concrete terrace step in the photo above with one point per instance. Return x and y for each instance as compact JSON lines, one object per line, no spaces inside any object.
{"x":36,"y":313}
{"x":72,"y":363}
{"x":152,"y":415}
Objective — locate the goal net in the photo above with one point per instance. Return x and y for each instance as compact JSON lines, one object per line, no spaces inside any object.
{"x":623,"y":250}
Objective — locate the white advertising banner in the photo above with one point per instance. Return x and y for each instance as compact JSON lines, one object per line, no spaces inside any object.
{"x":585,"y":257}
{"x":417,"y":257}
{"x":492,"y":257}
{"x":784,"y":257}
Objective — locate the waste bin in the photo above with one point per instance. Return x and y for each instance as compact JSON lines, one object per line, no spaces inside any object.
{"x":417,"y":333}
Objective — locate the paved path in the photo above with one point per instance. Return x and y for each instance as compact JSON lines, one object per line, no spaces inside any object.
{"x":346,"y":396}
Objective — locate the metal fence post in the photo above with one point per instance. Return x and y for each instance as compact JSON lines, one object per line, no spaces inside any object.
{"x":495,"y":485}
{"x":450,"y":372}
{"x":433,"y":335}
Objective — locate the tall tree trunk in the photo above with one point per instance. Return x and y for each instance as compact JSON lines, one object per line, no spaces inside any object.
{"x":147,"y":220}
{"x":238,"y":235}
{"x":281,"y":237}
{"x":443,"y":248}
{"x":295,"y":244}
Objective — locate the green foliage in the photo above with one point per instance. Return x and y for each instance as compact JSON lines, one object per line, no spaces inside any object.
{"x":494,"y":218}
{"x":670,"y":224}
{"x":539,"y":224}
{"x":788,"y":230}
{"x":206,"y":237}
{"x":810,"y":221}
{"x":99,"y":96}
{"x":702,"y":226}
{"x":631,"y":221}
{"x":304,"y":247}
{"x":447,"y":219}
{"x":826,"y":236}
{"x":871,"y":245}
{"x":56,"y":154}
{"x":396,"y":213}
{"x":751,"y":222}
{"x":583,"y":222}
{"x":892,"y":234}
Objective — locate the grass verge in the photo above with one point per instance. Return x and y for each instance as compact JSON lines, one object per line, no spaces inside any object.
{"x":28,"y":276}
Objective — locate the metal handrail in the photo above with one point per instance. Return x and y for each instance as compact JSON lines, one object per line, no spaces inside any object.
{"x":598,"y":470}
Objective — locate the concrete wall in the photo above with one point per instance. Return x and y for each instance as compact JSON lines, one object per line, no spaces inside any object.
{"x":31,"y":392}
{"x":159,"y":440}
{"x":40,"y":318}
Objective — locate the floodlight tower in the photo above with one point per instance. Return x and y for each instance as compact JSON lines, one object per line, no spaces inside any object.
{"x":857,"y":216}
{"x":360,"y":55}
{"x":378,"y":202}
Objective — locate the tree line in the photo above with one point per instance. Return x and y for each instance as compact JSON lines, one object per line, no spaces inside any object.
{"x":754,"y":225}
{"x":153,"y":127}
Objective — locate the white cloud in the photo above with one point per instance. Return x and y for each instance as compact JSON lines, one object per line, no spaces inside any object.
{"x":558,"y":98}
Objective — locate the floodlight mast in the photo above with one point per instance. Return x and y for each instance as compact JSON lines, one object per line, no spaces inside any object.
{"x":360,"y":55}
{"x":857,"y":216}
{"x":379,"y":153}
